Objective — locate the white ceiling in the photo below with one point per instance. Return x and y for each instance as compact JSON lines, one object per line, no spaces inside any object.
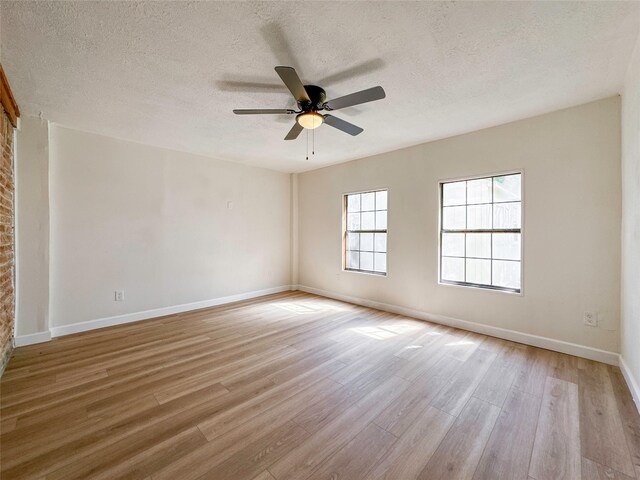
{"x":169,"y":74}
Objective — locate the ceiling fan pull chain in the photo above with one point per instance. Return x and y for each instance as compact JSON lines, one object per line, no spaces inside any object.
{"x":307,"y":144}
{"x":313,"y":141}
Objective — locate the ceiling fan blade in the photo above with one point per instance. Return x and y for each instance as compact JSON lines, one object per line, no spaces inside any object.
{"x":294,"y":132}
{"x":263,"y":111}
{"x":343,"y":125}
{"x":363,"y":96}
{"x":293,"y":83}
{"x":356,"y":70}
{"x":242,"y":86}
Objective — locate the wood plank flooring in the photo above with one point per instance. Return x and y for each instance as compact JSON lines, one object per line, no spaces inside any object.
{"x":294,"y":386}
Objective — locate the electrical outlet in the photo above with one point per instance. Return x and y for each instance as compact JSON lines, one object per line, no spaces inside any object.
{"x":590,"y":319}
{"x":119,"y":295}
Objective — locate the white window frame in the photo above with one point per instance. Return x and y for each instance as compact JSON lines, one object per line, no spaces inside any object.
{"x":486,"y":288}
{"x":344,"y":233}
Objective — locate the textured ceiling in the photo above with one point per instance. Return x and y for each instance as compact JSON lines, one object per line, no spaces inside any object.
{"x":169,"y":74}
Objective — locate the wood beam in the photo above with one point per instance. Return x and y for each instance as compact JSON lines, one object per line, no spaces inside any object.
{"x":8,"y":102}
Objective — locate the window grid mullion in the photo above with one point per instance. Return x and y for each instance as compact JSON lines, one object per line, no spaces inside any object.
{"x":477,"y":204}
{"x":375,"y":225}
{"x":491,"y":237}
{"x":441,"y":226}
{"x":466,"y":225}
{"x":483,"y":258}
{"x":485,"y":230}
{"x":359,"y":251}
{"x":466,"y":231}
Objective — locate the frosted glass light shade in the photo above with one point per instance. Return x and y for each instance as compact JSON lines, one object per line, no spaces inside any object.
{"x":310,"y":120}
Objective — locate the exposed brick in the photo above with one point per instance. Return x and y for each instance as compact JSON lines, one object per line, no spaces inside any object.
{"x":7,"y":247}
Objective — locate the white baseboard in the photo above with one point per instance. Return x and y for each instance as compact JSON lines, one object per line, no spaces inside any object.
{"x":583,"y":351}
{"x":520,"y":337}
{"x":159,"y":312}
{"x":634,"y":388}
{"x":33,"y":338}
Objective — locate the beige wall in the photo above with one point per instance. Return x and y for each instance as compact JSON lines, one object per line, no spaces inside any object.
{"x":156,"y":224}
{"x":630,"y":334}
{"x":32,"y":226}
{"x":572,"y":209}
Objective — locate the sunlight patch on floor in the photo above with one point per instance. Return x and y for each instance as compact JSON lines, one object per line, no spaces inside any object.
{"x":374,"y":332}
{"x":295,"y":307}
{"x":302,"y":308}
{"x":461,"y":342}
{"x":401,"y":328}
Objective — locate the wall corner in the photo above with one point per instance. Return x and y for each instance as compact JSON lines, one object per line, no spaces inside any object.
{"x":294,"y":232}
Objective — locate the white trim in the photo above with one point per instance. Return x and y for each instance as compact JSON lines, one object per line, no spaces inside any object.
{"x":158,"y":312}
{"x":481,"y":176}
{"x":522,"y":229}
{"x":631,"y":382}
{"x":33,"y":338}
{"x":583,"y":351}
{"x":344,"y":232}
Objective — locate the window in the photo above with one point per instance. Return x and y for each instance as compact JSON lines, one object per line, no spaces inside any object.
{"x":365,"y":233}
{"x":480,"y":232}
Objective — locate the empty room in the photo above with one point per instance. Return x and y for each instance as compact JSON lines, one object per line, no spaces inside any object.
{"x":295,"y":240}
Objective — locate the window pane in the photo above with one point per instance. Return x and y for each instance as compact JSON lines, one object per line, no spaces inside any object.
{"x":353,"y":241}
{"x":506,"y":215}
{"x":353,"y":259}
{"x":479,"y":271}
{"x":368,"y":201}
{"x":353,"y":221}
{"x":479,"y":245}
{"x":381,"y":220}
{"x":506,"y":274}
{"x":479,"y":191}
{"x":366,"y":261}
{"x":454,"y":193}
{"x":368,"y":221}
{"x":479,"y":216}
{"x":453,"y":244}
{"x":366,"y":242}
{"x":380,"y":262}
{"x":366,"y":212}
{"x":353,"y":203}
{"x":507,"y":188}
{"x":381,"y":200}
{"x":454,"y":218}
{"x":452,"y":269}
{"x":506,"y":246}
{"x":380,"y":242}
{"x":471,"y":211}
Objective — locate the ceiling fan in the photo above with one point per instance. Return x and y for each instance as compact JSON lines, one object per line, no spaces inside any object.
{"x":311,"y":99}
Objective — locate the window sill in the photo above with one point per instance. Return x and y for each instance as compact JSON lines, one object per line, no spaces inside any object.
{"x":484,"y":289}
{"x":364,"y":272}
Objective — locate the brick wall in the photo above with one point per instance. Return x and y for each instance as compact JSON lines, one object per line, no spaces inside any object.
{"x":7,"y":297}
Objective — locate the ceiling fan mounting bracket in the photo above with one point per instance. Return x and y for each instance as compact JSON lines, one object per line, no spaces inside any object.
{"x":317,"y":97}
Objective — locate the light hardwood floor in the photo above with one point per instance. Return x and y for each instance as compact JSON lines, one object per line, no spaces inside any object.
{"x":294,"y":386}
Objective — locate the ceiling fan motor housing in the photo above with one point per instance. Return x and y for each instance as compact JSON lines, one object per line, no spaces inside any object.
{"x":318,"y":97}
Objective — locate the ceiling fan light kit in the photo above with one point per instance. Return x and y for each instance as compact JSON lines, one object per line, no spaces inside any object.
{"x":310,"y":120}
{"x":311,"y":99}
